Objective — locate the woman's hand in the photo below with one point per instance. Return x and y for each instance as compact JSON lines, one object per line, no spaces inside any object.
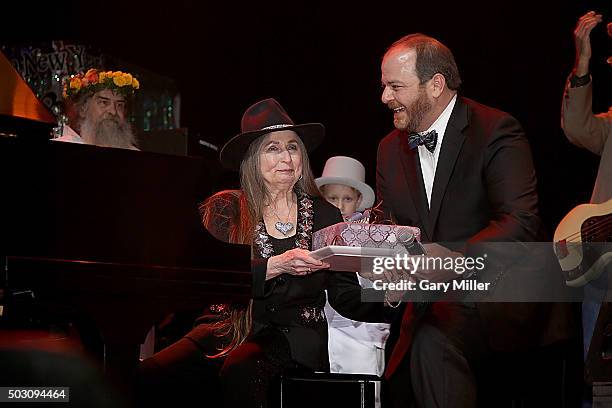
{"x":296,"y":261}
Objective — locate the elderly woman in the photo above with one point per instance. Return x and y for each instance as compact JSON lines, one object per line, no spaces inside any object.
{"x":276,"y":211}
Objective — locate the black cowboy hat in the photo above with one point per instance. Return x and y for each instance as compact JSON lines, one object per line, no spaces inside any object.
{"x":259,"y":119}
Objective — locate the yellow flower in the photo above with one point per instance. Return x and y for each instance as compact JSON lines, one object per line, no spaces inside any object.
{"x":75,"y":83}
{"x":102,"y":76}
{"x":128,"y":79}
{"x":135,"y":83}
{"x":119,"y":80}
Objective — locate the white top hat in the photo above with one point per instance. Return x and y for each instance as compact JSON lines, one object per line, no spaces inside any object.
{"x":349,"y":172}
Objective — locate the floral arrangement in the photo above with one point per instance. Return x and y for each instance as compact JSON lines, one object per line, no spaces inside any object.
{"x":94,"y":81}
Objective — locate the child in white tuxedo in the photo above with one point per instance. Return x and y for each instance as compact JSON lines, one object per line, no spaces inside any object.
{"x":354,"y":347}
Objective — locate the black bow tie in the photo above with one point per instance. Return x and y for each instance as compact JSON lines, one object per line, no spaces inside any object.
{"x":428,"y":139}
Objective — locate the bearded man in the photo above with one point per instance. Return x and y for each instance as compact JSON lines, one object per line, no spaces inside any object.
{"x":462,"y":172}
{"x":97,"y":109}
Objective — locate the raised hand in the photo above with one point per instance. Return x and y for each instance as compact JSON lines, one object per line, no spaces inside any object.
{"x":582,"y":40}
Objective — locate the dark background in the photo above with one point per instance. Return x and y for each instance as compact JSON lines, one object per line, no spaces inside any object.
{"x":321,"y":61}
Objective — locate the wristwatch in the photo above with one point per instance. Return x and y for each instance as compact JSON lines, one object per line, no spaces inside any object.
{"x":577,"y":81}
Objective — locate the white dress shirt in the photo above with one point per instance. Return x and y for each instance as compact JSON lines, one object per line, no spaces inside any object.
{"x":69,"y":135}
{"x":429,"y":161}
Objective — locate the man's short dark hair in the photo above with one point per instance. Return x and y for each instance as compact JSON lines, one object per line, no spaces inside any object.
{"x":432,"y":57}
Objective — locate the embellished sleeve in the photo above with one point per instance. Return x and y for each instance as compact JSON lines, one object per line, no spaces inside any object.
{"x":220,"y":214}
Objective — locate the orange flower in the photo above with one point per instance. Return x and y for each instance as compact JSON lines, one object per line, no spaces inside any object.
{"x":116,"y":80}
{"x":92,"y":76}
{"x":75,"y":83}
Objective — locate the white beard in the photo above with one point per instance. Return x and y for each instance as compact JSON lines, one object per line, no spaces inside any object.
{"x":108,"y":132}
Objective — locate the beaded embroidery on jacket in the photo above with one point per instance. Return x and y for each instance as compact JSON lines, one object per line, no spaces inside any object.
{"x":303,"y":235}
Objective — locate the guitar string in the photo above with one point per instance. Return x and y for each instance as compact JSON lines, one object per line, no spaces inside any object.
{"x":590,"y":228}
{"x":596,"y":227}
{"x":596,"y":224}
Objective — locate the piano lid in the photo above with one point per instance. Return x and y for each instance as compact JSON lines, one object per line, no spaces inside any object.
{"x":16,"y":97}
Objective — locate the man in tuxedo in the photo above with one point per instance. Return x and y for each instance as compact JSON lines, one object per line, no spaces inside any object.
{"x":463,"y":173}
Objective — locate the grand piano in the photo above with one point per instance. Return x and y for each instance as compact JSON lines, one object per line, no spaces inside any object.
{"x":110,"y":234}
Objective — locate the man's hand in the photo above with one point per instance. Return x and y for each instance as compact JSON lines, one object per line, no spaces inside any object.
{"x":582,"y":39}
{"x":387,"y":274}
{"x":436,"y":252}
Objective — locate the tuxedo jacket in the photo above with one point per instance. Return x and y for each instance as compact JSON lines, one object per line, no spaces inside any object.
{"x":484,"y":191}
